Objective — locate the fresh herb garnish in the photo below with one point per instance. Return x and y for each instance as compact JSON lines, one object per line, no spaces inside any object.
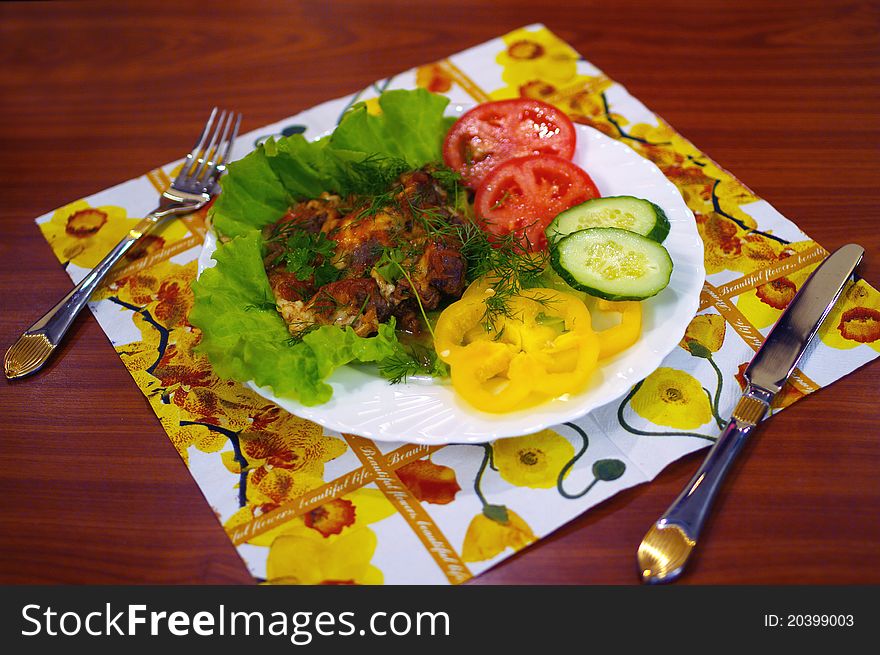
{"x":265,"y":304}
{"x":414,"y":360}
{"x":390,"y":264}
{"x":307,"y":255}
{"x":506,"y":261}
{"x":298,"y":331}
{"x":394,"y":258}
{"x":420,"y":202}
{"x":374,"y":174}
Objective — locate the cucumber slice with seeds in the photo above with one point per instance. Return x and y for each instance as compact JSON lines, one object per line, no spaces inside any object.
{"x":625,"y":212}
{"x":611,"y":263}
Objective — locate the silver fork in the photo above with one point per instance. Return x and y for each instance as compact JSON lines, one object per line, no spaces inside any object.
{"x":194,"y":186}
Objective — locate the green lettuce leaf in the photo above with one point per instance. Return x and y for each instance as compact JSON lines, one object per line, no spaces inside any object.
{"x":411,"y":127}
{"x":245,"y":338}
{"x":252,"y":196}
{"x":363,"y":155}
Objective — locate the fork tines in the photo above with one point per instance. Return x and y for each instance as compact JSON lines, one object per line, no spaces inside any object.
{"x":210,"y":155}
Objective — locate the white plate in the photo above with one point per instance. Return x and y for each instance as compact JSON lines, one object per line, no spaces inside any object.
{"x":427,"y":411}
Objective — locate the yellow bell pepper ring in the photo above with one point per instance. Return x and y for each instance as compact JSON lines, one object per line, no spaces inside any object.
{"x":624,"y":334}
{"x":463,"y":322}
{"x":479,"y":376}
{"x":543,"y":346}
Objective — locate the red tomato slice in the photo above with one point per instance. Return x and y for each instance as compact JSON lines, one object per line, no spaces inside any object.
{"x":524,"y":194}
{"x":494,"y":132}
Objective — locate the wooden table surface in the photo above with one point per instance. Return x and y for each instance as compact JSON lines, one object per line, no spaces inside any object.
{"x":783,"y":94}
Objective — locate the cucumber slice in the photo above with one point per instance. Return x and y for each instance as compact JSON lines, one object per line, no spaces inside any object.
{"x":612,"y":263}
{"x":625,"y":212}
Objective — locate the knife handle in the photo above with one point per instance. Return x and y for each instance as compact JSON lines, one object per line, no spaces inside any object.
{"x":667,"y":546}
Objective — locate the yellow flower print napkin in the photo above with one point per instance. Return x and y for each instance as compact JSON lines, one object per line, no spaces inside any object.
{"x":307,"y":505}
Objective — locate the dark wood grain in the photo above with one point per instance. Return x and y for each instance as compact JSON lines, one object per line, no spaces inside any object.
{"x":783,"y":94}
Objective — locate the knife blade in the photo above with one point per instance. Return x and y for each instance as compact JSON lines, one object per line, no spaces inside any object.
{"x":667,"y":546}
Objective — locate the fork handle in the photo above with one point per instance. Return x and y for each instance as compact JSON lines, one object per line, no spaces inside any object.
{"x":57,"y":321}
{"x":36,"y":344}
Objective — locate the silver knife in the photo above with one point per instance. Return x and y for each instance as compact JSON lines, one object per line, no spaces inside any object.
{"x":669,"y":543}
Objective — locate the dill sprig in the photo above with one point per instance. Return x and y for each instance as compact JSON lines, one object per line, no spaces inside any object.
{"x":415,"y":360}
{"x":506,"y":259}
{"x":436,"y":221}
{"x":299,"y":330}
{"x":507,"y":262}
{"x":263,"y":305}
{"x":374,"y":174}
